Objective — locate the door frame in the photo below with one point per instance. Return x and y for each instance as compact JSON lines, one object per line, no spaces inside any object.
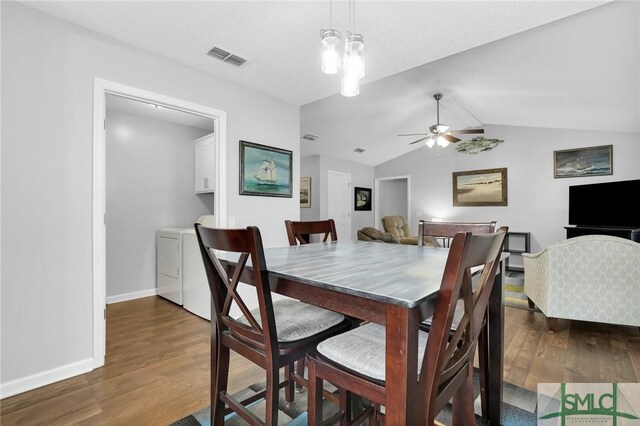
{"x":101,"y":88}
{"x":376,"y":198}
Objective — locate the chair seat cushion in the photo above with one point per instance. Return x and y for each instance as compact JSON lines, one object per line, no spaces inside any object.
{"x":457,"y":316}
{"x":362,"y":350}
{"x":296,"y":320}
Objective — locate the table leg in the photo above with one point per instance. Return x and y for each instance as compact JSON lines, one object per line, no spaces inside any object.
{"x":496,"y":349}
{"x":401,"y":365}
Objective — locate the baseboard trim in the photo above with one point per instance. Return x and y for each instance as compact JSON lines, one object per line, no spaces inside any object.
{"x":131,"y":296}
{"x":44,"y":378}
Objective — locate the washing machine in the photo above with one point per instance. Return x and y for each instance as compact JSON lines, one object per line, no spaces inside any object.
{"x":181,"y":277}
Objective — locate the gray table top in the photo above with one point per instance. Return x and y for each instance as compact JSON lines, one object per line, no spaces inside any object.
{"x":399,"y":274}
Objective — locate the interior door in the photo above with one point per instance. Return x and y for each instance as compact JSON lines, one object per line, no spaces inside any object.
{"x":339,"y":202}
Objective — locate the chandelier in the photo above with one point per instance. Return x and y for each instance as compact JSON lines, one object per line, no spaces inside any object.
{"x":351,"y":62}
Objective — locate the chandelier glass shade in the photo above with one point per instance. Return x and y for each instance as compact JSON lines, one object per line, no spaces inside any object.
{"x":330,"y":53}
{"x":352,"y":62}
{"x":354,"y":55}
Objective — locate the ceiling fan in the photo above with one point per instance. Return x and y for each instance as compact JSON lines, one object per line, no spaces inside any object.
{"x":440,"y":133}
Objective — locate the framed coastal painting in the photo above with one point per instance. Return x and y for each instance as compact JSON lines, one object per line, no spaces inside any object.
{"x":362,"y":199}
{"x":265,"y":170}
{"x":580,"y":162}
{"x":486,"y":187}
{"x":305,"y":192}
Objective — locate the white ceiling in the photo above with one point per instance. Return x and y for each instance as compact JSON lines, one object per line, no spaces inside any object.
{"x":281,"y":39}
{"x":582,"y":72}
{"x":518,"y":62}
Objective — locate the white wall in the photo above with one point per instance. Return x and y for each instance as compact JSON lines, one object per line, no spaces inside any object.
{"x":150,"y":185}
{"x":48,"y":67}
{"x":310,"y":166}
{"x":361,"y":176}
{"x":538,"y":203}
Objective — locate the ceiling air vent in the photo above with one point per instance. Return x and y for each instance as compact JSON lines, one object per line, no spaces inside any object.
{"x":358,"y":150}
{"x":227,"y":57}
{"x":310,"y":137}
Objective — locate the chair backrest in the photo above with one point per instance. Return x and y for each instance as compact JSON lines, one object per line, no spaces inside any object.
{"x":223,"y":284}
{"x":296,"y":231}
{"x":397,"y":226}
{"x":450,"y":229}
{"x":448,"y":354}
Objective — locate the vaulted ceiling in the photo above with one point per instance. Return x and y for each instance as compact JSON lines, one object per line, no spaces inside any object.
{"x":561,"y":64}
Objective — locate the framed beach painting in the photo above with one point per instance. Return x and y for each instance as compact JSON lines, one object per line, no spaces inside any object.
{"x":362,"y":199}
{"x":486,"y":187}
{"x":265,"y":170}
{"x":580,"y":162}
{"x":305,"y":192}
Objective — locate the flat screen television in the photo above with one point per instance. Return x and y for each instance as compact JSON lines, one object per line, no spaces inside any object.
{"x":608,"y":204}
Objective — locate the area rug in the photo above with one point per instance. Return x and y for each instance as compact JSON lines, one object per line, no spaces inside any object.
{"x":514,"y":291}
{"x":519,"y":408}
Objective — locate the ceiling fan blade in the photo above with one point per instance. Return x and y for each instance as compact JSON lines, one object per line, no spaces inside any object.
{"x":468,"y":131}
{"x":450,"y":138}
{"x":420,"y":140}
{"x":415,"y":134}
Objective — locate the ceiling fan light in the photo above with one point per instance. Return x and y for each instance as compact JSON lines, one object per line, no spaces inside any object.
{"x":354,"y":55}
{"x":350,"y":85}
{"x":430,"y":142}
{"x":330,"y":54}
{"x":443,"y":142}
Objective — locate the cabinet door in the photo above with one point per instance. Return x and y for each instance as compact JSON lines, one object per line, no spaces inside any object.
{"x":205,"y":151}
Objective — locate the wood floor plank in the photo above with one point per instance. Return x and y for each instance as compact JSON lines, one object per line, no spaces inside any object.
{"x":157,"y":366}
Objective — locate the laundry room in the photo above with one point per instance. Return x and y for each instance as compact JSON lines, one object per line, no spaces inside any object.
{"x":151,"y":162}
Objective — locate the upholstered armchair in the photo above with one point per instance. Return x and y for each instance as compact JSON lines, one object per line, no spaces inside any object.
{"x":398,"y":226}
{"x":588,"y":278}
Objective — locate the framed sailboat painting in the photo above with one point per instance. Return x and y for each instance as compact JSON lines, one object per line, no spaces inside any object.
{"x":265,"y":170}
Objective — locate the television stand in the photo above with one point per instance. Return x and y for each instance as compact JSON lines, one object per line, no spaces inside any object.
{"x":632,"y":234}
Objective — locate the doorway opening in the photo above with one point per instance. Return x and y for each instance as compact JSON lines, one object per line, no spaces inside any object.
{"x":393,"y":198}
{"x":102,"y":89}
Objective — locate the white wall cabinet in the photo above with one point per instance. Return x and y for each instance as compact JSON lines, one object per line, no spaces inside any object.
{"x":205,"y":151}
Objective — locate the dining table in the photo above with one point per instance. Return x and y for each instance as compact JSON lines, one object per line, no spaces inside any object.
{"x":394,"y":285}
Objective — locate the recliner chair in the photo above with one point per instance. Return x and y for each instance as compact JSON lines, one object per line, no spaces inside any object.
{"x":398,"y":226}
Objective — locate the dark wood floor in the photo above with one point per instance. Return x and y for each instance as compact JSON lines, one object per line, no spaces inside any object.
{"x":157,"y":366}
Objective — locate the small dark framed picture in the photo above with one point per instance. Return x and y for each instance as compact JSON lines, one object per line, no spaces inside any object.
{"x":362,"y":199}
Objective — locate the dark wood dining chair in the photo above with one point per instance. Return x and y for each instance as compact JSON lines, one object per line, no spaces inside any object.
{"x":298,"y":230}
{"x":273,"y":336}
{"x":355,"y":360}
{"x":428,"y":230}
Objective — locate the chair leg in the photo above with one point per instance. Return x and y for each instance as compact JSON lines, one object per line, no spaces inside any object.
{"x":219,"y":361}
{"x":271,"y":396}
{"x":289,"y":388}
{"x":483,"y":367}
{"x":531,"y":304}
{"x":314,"y":404}
{"x":300,"y":372}
{"x":462,"y":409}
{"x":345,"y":407}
